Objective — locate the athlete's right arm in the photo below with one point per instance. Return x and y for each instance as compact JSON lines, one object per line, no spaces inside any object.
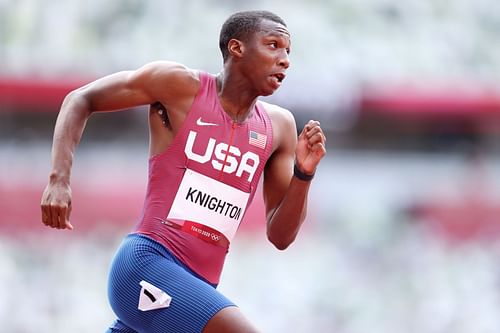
{"x":166,"y":82}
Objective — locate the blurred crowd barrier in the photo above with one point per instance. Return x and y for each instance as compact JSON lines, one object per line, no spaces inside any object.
{"x":339,"y":47}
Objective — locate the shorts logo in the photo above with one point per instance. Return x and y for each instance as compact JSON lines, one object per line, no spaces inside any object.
{"x":152,"y":297}
{"x":223,"y":157}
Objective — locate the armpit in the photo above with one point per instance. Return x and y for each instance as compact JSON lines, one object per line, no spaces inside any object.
{"x":161,"y":111}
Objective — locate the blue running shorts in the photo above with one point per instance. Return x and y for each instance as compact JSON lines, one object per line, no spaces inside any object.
{"x":191,"y":300}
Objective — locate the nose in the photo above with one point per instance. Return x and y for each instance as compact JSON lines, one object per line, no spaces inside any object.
{"x":284,"y":60}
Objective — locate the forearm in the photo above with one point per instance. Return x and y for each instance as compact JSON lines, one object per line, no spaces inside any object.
{"x":70,"y":124}
{"x":285,"y":221}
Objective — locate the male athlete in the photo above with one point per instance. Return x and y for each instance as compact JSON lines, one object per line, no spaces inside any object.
{"x":210,"y":141}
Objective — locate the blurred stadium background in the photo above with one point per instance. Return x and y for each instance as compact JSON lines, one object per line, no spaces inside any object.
{"x":404,"y":224}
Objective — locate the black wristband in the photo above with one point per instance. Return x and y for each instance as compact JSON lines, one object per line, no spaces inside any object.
{"x":300,"y":175}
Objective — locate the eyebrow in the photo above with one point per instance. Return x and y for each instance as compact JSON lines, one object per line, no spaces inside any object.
{"x":279,"y":34}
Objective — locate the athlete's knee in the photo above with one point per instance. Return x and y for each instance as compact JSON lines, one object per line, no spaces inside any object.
{"x":229,"y":320}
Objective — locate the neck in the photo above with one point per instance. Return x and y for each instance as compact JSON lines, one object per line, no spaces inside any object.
{"x":235,"y":95}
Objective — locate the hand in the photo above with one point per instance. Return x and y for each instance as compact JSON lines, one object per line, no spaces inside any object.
{"x":310,"y":147}
{"x":56,"y":206}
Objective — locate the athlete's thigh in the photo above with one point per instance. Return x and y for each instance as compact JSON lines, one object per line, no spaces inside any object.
{"x":193,"y":301}
{"x":229,"y":320}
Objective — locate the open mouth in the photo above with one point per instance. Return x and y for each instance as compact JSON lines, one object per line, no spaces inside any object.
{"x":279,"y":77}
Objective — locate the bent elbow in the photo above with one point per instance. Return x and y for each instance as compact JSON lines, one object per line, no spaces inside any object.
{"x":281,"y":243}
{"x":281,"y":246}
{"x":79,"y":99}
{"x":73,"y":95}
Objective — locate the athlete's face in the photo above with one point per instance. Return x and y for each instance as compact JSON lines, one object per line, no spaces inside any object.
{"x":266,"y":54}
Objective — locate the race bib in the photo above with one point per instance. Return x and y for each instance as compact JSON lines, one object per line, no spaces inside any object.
{"x":208,"y":202}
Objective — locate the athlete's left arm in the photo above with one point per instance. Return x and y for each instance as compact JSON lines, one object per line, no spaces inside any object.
{"x":285,"y":195}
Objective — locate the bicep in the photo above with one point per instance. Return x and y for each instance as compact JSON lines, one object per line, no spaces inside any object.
{"x":127,"y":89}
{"x":279,"y":169}
{"x":116,"y":91}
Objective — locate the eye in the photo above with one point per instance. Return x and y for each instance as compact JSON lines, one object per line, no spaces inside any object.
{"x":273,"y":45}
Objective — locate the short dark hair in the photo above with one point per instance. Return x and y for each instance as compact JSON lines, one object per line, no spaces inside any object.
{"x":241,"y":24}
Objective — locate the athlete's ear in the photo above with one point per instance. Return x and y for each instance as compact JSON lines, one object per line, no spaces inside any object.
{"x":235,"y":48}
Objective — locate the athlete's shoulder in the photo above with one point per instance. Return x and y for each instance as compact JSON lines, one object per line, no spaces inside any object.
{"x":170,"y":70}
{"x":283,"y":123}
{"x":169,"y":79}
{"x":277,"y":113}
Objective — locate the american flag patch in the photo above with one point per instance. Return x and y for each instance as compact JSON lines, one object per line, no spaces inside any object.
{"x":257,"y":139}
